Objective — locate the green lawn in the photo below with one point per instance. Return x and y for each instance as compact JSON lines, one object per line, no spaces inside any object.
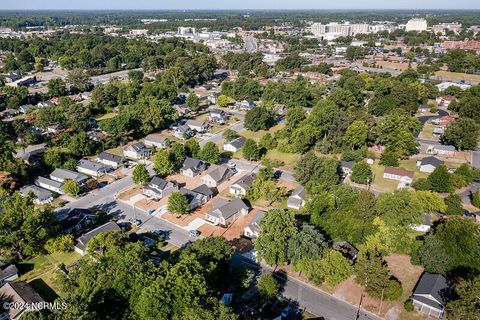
{"x":288,"y":158}
{"x":41,"y":272}
{"x":379,"y":182}
{"x":259,"y":134}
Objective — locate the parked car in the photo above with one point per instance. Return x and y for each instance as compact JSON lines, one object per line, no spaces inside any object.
{"x":231,"y":164}
{"x":150,"y":212}
{"x":135,"y":222}
{"x":193,"y":233}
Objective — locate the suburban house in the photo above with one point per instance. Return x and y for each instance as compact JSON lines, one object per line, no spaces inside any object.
{"x":198,"y":196}
{"x":241,"y":186}
{"x":61,"y":175}
{"x":212,"y":98}
{"x":45,"y":104}
{"x":253,"y":229}
{"x":429,"y":164}
{"x":347,"y":249}
{"x":76,"y":219}
{"x":156,"y":140}
{"x":48,"y":184}
{"x":25,"y":108}
{"x":441,"y":150}
{"x":8,"y":113}
{"x":398,"y":174}
{"x":234,"y":145}
{"x":424,"y":108}
{"x":41,"y":196}
{"x":198,"y":126}
{"x":445,"y":120}
{"x":192,"y":167}
{"x":183,"y":132}
{"x":297,"y":199}
{"x":86,"y":95}
{"x":137,"y":151}
{"x":225,"y":212}
{"x":215,"y":175}
{"x":182,"y":109}
{"x":346,"y":167}
{"x":110,"y":160}
{"x":445,"y":101}
{"x":20,"y":293}
{"x":31,"y":153}
{"x":81,"y":243}
{"x":429,"y":296}
{"x":217,"y":116}
{"x":92,"y":168}
{"x":8,"y":272}
{"x":247,"y":105}
{"x":159,"y":188}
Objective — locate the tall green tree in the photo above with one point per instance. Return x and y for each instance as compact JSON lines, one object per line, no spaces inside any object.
{"x":210,"y":153}
{"x":440,"y":179}
{"x":361,"y":173}
{"x":268,"y":287}
{"x":178,"y":204}
{"x":276,"y":228}
{"x":162,"y":163}
{"x":306,"y":244}
{"x":140,"y":174}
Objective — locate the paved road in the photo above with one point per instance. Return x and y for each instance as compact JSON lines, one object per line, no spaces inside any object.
{"x":310,"y":298}
{"x":250,"y":44}
{"x":476,"y":159}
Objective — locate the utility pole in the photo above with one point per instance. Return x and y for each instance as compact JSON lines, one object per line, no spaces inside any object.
{"x":381,"y":301}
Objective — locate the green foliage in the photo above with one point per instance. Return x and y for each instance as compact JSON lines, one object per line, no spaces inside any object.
{"x":250,"y":150}
{"x":193,"y":102}
{"x":72,"y":187}
{"x":408,"y":305}
{"x":307,"y":244}
{"x":162,"y":163}
{"x":56,"y":87}
{"x":465,"y":305}
{"x":356,"y":135}
{"x":373,"y":273}
{"x":453,"y":244}
{"x":24,"y":229}
{"x":177,"y":154}
{"x":463,"y":134}
{"x":361,"y":173}
{"x":331,"y":267}
{"x":242,"y":88}
{"x":192,"y":148}
{"x":440,"y":180}
{"x":276,"y":228}
{"x":135,"y":75}
{"x":230,"y":135}
{"x":223,"y":101}
{"x":454,"y":205}
{"x":268,"y":287}
{"x":476,"y":199}
{"x":63,"y":243}
{"x":178,"y":204}
{"x":79,"y":79}
{"x":140,"y":174}
{"x":319,"y":172}
{"x":210,"y":153}
{"x":258,"y":118}
{"x":268,"y":142}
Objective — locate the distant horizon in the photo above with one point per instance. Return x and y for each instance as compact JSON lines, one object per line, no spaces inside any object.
{"x":217,"y":5}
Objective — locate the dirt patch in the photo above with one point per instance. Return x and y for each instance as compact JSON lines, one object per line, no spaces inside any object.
{"x":126,"y":195}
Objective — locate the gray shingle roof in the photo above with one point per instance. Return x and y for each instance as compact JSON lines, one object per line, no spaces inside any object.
{"x":299,"y":192}
{"x":434,"y":285}
{"x":246,"y":181}
{"x":49,"y":182}
{"x":91,"y":165}
{"x":8,"y":270}
{"x":217,"y":173}
{"x":192,"y":163}
{"x":20,"y":292}
{"x":65,"y":174}
{"x":110,"y":157}
{"x":238,"y":142}
{"x":432,"y":161}
{"x":40,"y":194}
{"x":204,"y":189}
{"x":83,"y":240}
{"x":229,"y":209}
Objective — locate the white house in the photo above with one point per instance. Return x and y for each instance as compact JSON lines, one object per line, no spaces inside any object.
{"x":156,"y":140}
{"x":398,"y":174}
{"x":95,"y":169}
{"x":41,"y":196}
{"x":61,"y":175}
{"x":217,"y":116}
{"x":225,"y":212}
{"x":430,"y":295}
{"x":429,"y":164}
{"x":48,"y":184}
{"x":234,"y":145}
{"x":110,"y":160}
{"x":240,"y":187}
{"x":441,"y":150}
{"x":159,"y":188}
{"x":192,"y":167}
{"x":215,"y":175}
{"x":198,"y":126}
{"x":81,"y":243}
{"x":253,"y":229}
{"x":297,"y":199}
{"x":137,"y":151}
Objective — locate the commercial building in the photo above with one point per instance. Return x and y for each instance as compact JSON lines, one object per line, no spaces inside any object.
{"x":416,"y":25}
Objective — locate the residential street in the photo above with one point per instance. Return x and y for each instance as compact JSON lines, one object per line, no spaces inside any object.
{"x":310,"y":298}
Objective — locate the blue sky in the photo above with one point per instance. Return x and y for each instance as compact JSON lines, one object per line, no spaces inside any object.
{"x":239,"y":4}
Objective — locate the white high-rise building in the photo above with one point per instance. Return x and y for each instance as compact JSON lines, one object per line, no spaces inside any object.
{"x":416,"y":25}
{"x":339,"y":29}
{"x":186,"y":30}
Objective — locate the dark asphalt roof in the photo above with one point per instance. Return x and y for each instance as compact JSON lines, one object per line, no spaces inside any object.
{"x":434,"y":285}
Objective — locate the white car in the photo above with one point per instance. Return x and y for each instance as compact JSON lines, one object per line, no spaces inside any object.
{"x":193,"y":233}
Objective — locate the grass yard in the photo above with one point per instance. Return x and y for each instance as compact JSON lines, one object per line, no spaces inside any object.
{"x":458,"y":76}
{"x":116,"y":151}
{"x":288,"y":158}
{"x":379,"y":182}
{"x":427,"y":132}
{"x":41,"y":272}
{"x":259,"y":134}
{"x":411,"y":165}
